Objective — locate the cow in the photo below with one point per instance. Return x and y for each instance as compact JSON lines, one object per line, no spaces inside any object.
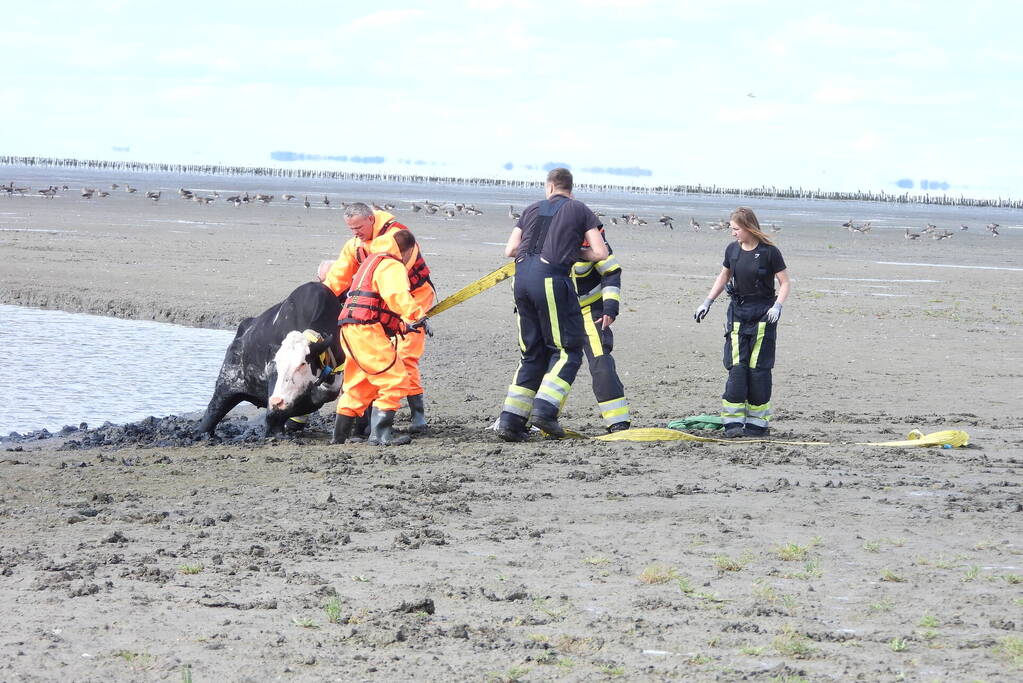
{"x":272,"y":363}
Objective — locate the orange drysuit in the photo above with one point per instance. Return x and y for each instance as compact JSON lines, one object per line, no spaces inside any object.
{"x":339,"y":279}
{"x":374,"y":372}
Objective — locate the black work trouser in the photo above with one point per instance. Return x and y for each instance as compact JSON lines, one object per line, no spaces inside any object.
{"x":607,"y":385}
{"x":748,"y":356}
{"x":551,"y":338}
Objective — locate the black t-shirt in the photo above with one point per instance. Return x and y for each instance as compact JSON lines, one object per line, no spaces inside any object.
{"x":753,"y":271}
{"x":565,"y":234}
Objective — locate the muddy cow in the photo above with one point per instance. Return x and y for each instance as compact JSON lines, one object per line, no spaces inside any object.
{"x":272,"y":363}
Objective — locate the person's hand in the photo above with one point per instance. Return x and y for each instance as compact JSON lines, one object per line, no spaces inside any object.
{"x":702,"y":311}
{"x":422,"y":324}
{"x":321,"y":272}
{"x":605,"y":322}
{"x":774,"y":313}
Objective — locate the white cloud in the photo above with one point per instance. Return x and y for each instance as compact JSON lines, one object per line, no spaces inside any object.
{"x":752,"y":113}
{"x":385,"y":18}
{"x":500,"y":4}
{"x":838,"y":94}
{"x":867,"y":142}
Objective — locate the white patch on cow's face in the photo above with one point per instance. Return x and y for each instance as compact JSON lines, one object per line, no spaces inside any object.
{"x":294,"y":376}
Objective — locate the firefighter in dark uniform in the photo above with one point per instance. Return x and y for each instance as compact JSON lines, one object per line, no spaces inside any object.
{"x":748,"y":272}
{"x":599,"y":286}
{"x":545,"y":243}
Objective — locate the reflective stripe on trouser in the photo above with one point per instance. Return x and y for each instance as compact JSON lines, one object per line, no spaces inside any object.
{"x":607,"y":386}
{"x":519,"y":401}
{"x":372,"y":348}
{"x":732,"y":413}
{"x":749,"y":357}
{"x":758,"y":415}
{"x":551,"y":333}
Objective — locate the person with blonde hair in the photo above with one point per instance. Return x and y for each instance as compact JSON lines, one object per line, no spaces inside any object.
{"x":751,"y":264}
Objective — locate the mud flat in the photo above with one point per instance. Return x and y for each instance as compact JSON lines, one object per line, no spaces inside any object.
{"x":134,"y":552}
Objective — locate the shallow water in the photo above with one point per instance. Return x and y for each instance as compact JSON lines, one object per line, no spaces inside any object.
{"x":60,"y":368}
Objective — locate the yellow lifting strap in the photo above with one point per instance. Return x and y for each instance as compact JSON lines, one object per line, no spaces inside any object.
{"x":474,"y":288}
{"x":954,"y":438}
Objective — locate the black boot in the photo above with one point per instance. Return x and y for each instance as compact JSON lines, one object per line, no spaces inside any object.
{"x":418,"y":410}
{"x":342,"y":428}
{"x":360,"y":428}
{"x":380,"y":430}
{"x":545,"y":416}
{"x":512,"y":427}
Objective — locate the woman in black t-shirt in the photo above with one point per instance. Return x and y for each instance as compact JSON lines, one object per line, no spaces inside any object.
{"x":748,"y":273}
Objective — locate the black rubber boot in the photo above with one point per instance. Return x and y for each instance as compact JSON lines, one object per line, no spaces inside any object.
{"x":618,"y":427}
{"x":418,"y":410}
{"x":734,"y":430}
{"x":295,"y":425}
{"x":342,"y":428}
{"x":512,"y":427}
{"x":360,"y":428}
{"x":545,"y":416}
{"x":380,"y":430}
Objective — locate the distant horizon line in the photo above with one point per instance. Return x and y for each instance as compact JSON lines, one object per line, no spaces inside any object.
{"x":763,"y":192}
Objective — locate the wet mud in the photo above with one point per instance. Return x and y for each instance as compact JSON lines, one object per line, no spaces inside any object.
{"x":141,"y":552}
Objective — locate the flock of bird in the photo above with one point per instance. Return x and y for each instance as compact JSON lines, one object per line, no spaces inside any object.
{"x":929,"y":230}
{"x":449,"y":209}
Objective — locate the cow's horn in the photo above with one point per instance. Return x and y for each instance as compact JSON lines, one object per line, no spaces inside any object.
{"x":319,"y":347}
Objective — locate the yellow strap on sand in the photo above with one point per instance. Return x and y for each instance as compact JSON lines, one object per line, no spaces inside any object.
{"x":951,"y":437}
{"x":474,"y":288}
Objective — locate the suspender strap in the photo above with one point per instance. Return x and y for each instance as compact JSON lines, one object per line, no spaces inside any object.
{"x":548,"y":210}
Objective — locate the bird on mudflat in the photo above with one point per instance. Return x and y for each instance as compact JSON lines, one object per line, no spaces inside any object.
{"x":912,"y":235}
{"x":964,"y":227}
{"x":306,"y":202}
{"x":694,"y":224}
{"x":513,"y":214}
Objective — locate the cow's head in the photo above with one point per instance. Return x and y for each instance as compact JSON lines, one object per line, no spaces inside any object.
{"x":300,"y":373}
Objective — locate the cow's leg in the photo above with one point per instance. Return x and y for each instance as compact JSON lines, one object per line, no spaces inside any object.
{"x":220,"y":405}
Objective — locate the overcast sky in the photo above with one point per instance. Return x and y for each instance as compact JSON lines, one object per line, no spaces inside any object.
{"x":717,"y":92}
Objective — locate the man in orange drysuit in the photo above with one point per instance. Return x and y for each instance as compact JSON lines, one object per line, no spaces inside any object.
{"x":379,"y":307}
{"x":374,"y":232}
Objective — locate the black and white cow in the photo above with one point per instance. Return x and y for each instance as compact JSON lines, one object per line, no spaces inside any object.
{"x":271,"y":364}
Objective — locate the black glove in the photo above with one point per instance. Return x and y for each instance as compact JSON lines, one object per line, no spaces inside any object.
{"x":422,"y":324}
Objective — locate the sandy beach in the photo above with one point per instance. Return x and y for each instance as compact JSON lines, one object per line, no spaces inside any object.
{"x":464,"y":558}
